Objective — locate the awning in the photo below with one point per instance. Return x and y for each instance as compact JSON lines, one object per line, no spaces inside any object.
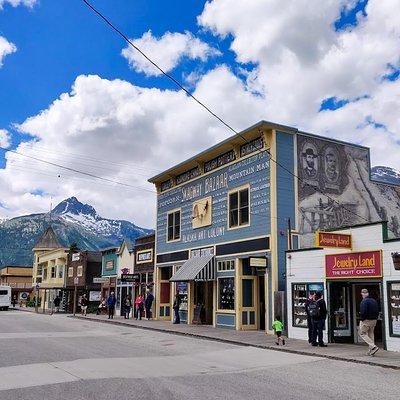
{"x":196,"y":269}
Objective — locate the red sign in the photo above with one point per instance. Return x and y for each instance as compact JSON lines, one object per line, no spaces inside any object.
{"x":336,"y":240}
{"x":366,"y":264}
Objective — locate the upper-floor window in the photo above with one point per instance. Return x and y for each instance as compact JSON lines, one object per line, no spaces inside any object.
{"x":70,"y":272}
{"x":239,"y":208}
{"x":53,"y":272}
{"x":60,"y":271}
{"x":44,"y":274}
{"x":79,"y":271}
{"x":174,"y":226}
{"x":228,"y":265}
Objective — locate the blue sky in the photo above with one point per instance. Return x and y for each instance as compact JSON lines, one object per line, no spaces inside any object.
{"x":307,"y":64}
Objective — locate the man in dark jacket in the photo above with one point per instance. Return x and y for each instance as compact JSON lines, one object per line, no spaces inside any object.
{"x":111,"y":305}
{"x":318,"y":314}
{"x":148,"y":303}
{"x":369,"y":312}
{"x":311,"y":299}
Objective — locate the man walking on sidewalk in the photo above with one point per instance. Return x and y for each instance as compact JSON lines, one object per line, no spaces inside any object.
{"x":111,"y":305}
{"x":369,"y":312}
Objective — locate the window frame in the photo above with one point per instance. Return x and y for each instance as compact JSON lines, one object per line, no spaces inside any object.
{"x":173,"y":212}
{"x":222,"y":265}
{"x":238,"y":190}
{"x":70,"y":272}
{"x":79,"y":270}
{"x":226,"y":310}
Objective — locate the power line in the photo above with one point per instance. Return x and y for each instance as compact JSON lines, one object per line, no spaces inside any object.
{"x":119,"y":32}
{"x":77,"y":171}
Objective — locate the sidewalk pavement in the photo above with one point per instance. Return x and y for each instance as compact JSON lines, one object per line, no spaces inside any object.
{"x":343,"y":352}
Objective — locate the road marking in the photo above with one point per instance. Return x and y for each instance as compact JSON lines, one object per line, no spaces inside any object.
{"x":225,"y":361}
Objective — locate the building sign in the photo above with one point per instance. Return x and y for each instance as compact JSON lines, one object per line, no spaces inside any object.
{"x":366,"y":264}
{"x":188,"y":175}
{"x":208,"y":251}
{"x":110,"y":264}
{"x":144,"y":256}
{"x":75,"y":257}
{"x":207,"y":224}
{"x":130,"y":278}
{"x":334,"y":240}
{"x":258,"y":262}
{"x":103,"y":279}
{"x":251,"y":147}
{"x":219,"y":161}
{"x":202,"y":212}
{"x":166,"y":185}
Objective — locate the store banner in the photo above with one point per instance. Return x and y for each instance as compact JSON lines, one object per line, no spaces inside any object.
{"x":334,"y":240}
{"x":366,"y":264}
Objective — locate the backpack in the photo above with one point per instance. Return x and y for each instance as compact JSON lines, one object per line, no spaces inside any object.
{"x":314,"y":309}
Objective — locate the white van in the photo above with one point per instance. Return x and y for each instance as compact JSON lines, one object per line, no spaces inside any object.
{"x":5,"y":297}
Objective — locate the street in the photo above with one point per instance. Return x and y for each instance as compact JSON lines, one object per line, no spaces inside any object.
{"x":56,"y":357}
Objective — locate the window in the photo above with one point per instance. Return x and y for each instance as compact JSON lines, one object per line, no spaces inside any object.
{"x":53,"y":272}
{"x":39,"y":270}
{"x":228,"y":265}
{"x":239,"y":208}
{"x":174,"y":226}
{"x":60,"y":271}
{"x":394,"y":308}
{"x":166,"y":273}
{"x":247,"y":292}
{"x":70,"y":272}
{"x":79,"y":271}
{"x":226,"y":293}
{"x":44,"y":274}
{"x":150,"y":277}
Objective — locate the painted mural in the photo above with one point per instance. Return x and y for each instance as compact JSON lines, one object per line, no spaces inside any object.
{"x":204,"y":208}
{"x":341,"y":172}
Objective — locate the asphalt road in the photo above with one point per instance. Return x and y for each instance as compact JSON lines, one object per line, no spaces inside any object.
{"x":55,"y":357}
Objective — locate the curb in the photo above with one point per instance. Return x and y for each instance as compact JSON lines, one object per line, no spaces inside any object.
{"x":238,"y":343}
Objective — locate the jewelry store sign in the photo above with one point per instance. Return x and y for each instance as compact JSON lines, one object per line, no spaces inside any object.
{"x":366,"y":264}
{"x":333,"y":240}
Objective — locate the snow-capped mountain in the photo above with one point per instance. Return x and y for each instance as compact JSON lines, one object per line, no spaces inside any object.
{"x":386,"y":175}
{"x":73,"y":211}
{"x":73,"y":222}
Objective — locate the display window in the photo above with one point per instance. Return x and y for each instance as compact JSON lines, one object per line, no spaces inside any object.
{"x":226,"y":294}
{"x":300,"y":293}
{"x":394,"y":308}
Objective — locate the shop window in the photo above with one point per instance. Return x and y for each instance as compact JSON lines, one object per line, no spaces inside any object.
{"x":174,"y":226}
{"x":239,"y":208}
{"x":70,"y":272}
{"x":394,"y":308}
{"x":226,"y":293}
{"x":300,"y":293}
{"x":79,"y":271}
{"x":228,"y":265}
{"x":166,"y":273}
{"x":53,"y":272}
{"x":150,"y":277}
{"x":247,"y":292}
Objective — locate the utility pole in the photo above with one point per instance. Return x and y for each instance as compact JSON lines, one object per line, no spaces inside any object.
{"x":75,"y":293}
{"x":289,"y":235}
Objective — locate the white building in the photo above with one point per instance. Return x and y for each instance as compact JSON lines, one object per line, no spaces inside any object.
{"x":341,"y":273}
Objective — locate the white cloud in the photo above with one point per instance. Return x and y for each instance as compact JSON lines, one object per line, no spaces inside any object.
{"x":6,"y":48}
{"x":5,"y":138}
{"x":16,"y":3}
{"x":167,"y":51}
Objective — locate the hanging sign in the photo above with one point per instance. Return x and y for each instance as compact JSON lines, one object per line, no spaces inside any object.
{"x":334,"y":240}
{"x":366,"y":264}
{"x":130,"y":277}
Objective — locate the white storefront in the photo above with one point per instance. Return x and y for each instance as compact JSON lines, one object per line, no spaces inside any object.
{"x":340,"y":274}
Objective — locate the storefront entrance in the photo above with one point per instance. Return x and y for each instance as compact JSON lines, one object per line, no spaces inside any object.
{"x":344,"y":300}
{"x":261,"y":302}
{"x":203,"y":302}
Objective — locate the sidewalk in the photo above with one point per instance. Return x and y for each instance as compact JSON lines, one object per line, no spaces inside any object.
{"x":342,"y":352}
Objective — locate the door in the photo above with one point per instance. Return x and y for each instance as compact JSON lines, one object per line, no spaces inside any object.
{"x":375,"y":292}
{"x":261,"y":301}
{"x":340,"y":312}
{"x":248,"y":309}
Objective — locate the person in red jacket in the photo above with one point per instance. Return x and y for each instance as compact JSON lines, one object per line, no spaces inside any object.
{"x":139,"y":305}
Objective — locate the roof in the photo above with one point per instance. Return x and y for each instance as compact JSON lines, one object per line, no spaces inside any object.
{"x":216,"y":150}
{"x":48,"y":240}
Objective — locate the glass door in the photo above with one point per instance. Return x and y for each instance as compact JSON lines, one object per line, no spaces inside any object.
{"x":248,"y":304}
{"x":340,"y":312}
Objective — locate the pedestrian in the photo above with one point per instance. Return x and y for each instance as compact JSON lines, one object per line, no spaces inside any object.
{"x":14,"y":300}
{"x":148,"y":303}
{"x":277,"y":326}
{"x":57,"y":302}
{"x":369,"y":312}
{"x":176,"y":305}
{"x":84,"y":305}
{"x":311,"y":299}
{"x":318,"y":314}
{"x":139,"y":306}
{"x":111,"y":305}
{"x":128,"y":307}
{"x":102,"y":306}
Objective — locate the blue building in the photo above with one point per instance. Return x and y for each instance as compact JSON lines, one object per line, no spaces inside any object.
{"x":109,"y":270}
{"x":226,"y":216}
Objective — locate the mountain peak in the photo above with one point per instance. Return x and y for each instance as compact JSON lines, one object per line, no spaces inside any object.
{"x":385,"y":174}
{"x":73,"y":206}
